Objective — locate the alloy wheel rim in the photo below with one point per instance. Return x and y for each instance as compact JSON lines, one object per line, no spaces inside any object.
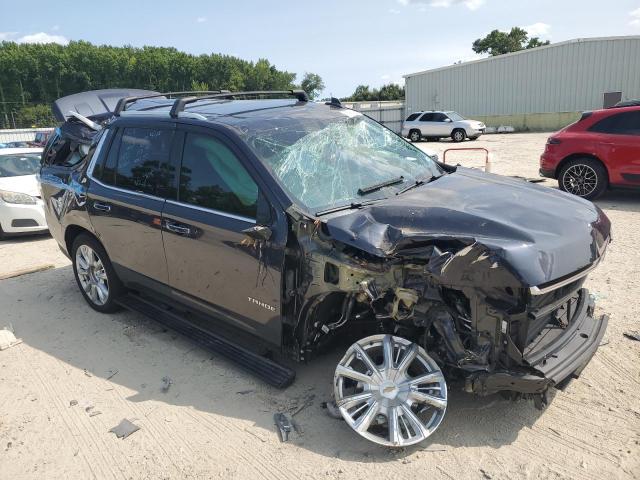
{"x":458,"y":136}
{"x":390,"y":391}
{"x":415,"y":137}
{"x":580,"y":180}
{"x":92,"y":275}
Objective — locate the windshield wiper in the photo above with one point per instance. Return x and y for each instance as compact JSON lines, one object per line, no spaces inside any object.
{"x":348,"y":206}
{"x":417,"y":183}
{"x":378,"y":186}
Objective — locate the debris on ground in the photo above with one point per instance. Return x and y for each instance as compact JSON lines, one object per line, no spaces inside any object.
{"x":73,"y":403}
{"x":87,"y":373}
{"x":112,"y":373}
{"x":332,"y":409}
{"x":8,"y":339}
{"x":124,"y":429}
{"x":308,"y":401}
{"x":166,"y":384}
{"x":284,"y":426}
{"x":632,"y":335}
{"x":245,"y":392}
{"x":94,"y":413}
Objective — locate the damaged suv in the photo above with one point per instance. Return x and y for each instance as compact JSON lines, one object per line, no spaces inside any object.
{"x":222,"y":214}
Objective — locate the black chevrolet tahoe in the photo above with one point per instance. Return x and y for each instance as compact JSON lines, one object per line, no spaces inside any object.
{"x":266,"y":216}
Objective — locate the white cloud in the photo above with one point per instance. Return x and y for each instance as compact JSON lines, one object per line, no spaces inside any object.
{"x":201,"y":19}
{"x":470,"y":4}
{"x":55,"y":28}
{"x":538,"y":29}
{"x":635,"y":18}
{"x":42,"y":37}
{"x":6,"y":35}
{"x":385,"y":76}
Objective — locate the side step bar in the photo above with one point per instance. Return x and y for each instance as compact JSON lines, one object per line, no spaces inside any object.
{"x":267,"y":370}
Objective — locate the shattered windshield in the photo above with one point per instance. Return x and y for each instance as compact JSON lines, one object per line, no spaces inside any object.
{"x":326,"y":159}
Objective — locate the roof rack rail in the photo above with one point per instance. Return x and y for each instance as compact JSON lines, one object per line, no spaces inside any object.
{"x":123,"y":102}
{"x":180,"y":103}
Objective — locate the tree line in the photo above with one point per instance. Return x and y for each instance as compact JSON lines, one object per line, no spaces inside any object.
{"x":34,"y":75}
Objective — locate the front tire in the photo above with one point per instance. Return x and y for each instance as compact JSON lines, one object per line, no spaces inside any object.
{"x":415,"y":136}
{"x":98,"y":282}
{"x":458,"y":135}
{"x":583,"y":177}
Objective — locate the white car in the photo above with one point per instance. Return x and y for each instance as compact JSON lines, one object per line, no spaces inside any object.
{"x":434,"y":125}
{"x":21,"y":208}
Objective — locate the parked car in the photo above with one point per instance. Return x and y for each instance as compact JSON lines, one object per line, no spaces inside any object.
{"x":599,"y":151}
{"x":301,"y":224}
{"x":435,"y":125}
{"x":18,"y":144}
{"x":21,"y":209}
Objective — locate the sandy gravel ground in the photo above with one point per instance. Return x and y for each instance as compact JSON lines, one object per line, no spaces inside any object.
{"x":216,"y":422}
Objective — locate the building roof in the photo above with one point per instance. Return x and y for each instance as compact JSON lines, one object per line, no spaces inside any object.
{"x":526,"y":51}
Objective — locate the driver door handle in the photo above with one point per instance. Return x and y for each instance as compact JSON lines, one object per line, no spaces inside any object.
{"x":102,"y":207}
{"x":178,"y":228}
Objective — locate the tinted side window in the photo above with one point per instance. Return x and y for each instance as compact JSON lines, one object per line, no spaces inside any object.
{"x":427,"y":117}
{"x":412,"y":117}
{"x":439,"y":117}
{"x":211,"y":176}
{"x":141,"y":152}
{"x":627,"y":123}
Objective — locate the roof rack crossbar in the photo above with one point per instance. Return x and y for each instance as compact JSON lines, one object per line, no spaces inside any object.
{"x":123,"y":102}
{"x":180,"y":103}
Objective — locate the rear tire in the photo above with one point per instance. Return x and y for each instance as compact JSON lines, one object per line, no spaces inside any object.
{"x":415,"y":136}
{"x":583,"y":177}
{"x":458,"y":135}
{"x":95,"y":276}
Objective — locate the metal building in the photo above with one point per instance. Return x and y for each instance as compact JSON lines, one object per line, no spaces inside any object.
{"x":538,"y":89}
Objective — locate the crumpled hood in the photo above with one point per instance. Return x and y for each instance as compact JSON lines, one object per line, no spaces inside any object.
{"x":541,"y":233}
{"x":22,"y":184}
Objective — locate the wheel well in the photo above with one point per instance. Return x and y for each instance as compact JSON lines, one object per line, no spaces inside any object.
{"x":575,"y":156}
{"x":70,"y":234}
{"x":415,"y":130}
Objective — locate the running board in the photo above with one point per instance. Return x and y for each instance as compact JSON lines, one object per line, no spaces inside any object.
{"x":265,"y":369}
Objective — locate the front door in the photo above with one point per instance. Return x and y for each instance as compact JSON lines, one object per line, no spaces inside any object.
{"x":125,"y":200}
{"x":211,"y":262}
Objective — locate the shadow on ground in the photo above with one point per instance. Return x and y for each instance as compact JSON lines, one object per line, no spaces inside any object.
{"x":49,"y":314}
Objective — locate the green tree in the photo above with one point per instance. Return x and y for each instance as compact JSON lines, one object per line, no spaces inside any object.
{"x":499,"y":43}
{"x":38,"y":115}
{"x":312,"y":84}
{"x":387,"y":92}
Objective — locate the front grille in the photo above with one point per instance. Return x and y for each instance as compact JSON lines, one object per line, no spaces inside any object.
{"x":552,"y":309}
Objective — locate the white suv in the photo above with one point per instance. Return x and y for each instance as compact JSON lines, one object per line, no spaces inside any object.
{"x":435,"y":125}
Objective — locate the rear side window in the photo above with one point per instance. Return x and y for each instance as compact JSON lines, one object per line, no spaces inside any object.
{"x":427,"y":117}
{"x":412,"y":117}
{"x":138,"y":159}
{"x":627,"y":123}
{"x":211,"y":176}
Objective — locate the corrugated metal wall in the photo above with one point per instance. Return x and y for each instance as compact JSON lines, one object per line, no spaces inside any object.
{"x":390,"y":114}
{"x":565,"y":77}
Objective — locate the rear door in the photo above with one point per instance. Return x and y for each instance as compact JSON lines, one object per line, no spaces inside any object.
{"x":212,"y":264}
{"x":618,"y":143}
{"x":126,"y":196}
{"x":427,"y":125}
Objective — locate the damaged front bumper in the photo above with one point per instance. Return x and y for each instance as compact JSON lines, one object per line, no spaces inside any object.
{"x":557,"y":356}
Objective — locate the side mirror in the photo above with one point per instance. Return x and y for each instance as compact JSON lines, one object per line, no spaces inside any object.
{"x":448,"y":120}
{"x":258,"y":232}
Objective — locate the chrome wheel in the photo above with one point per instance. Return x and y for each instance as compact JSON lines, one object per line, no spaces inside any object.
{"x":458,"y":136}
{"x":580,"y":179}
{"x":414,"y":136}
{"x":92,"y":275}
{"x":390,"y":391}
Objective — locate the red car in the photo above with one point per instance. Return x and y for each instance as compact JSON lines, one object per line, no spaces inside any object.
{"x":599,"y":151}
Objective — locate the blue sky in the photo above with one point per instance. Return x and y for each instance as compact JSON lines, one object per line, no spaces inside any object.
{"x":346,"y":42}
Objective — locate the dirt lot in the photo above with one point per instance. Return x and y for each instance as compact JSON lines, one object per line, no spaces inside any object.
{"x":216,"y":421}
